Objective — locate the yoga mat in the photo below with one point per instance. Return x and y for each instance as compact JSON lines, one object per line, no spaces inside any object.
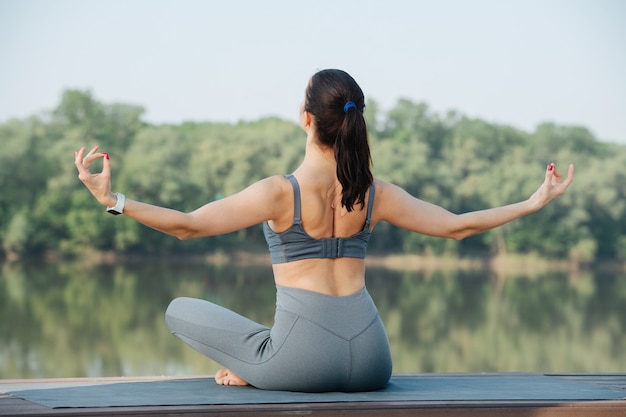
{"x":204,"y":391}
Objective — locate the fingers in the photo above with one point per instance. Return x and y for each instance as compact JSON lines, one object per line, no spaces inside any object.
{"x":92,"y":151}
{"x":554,"y":179}
{"x":78,"y":155}
{"x":570,"y":175}
{"x":78,"y":161}
{"x":550,"y":171}
{"x":106,"y":164}
{"x":87,"y":160}
{"x":84,"y":162}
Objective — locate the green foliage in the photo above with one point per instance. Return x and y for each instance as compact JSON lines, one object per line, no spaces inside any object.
{"x":459,"y":163}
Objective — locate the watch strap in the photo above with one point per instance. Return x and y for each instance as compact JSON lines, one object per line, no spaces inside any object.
{"x":118,"y":208}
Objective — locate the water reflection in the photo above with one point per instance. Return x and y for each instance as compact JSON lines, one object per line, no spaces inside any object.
{"x":76,"y":319}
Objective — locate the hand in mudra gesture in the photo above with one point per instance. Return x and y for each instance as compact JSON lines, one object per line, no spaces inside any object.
{"x":553,"y":185}
{"x":99,"y":183}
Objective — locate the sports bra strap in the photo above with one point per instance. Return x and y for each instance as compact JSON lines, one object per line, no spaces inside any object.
{"x":370,"y":203}
{"x":296,"y":199}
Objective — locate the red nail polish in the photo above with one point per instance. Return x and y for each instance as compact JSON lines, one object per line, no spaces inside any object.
{"x":106,"y":155}
{"x":550,"y":167}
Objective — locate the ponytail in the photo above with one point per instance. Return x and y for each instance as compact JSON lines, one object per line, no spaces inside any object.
{"x":337,"y":102}
{"x":352,"y":154}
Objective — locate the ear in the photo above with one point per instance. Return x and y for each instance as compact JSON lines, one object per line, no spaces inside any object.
{"x":306,"y":118}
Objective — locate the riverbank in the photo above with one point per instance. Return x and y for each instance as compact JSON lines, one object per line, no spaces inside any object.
{"x":394,"y":261}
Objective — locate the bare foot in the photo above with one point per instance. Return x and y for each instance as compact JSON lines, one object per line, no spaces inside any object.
{"x":227,"y":377}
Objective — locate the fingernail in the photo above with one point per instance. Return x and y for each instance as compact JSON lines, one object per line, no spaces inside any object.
{"x":549,"y":167}
{"x":106,"y":155}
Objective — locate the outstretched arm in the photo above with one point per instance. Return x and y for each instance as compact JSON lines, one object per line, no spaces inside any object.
{"x":251,"y":206}
{"x":403,"y":210}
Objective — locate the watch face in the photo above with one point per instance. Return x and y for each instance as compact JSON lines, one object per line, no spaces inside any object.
{"x":113,"y":211}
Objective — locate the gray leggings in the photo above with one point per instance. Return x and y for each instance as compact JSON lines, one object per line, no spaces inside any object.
{"x":318,"y":343}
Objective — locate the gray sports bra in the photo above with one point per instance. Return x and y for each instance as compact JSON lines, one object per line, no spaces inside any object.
{"x":295,"y":243}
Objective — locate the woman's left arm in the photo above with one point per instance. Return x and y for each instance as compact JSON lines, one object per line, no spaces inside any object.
{"x":251,"y":206}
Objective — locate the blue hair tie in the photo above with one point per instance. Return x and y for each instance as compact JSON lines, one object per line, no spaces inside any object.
{"x":348,"y":106}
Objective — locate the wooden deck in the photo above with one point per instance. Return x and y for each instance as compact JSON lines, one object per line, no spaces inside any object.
{"x":11,"y":406}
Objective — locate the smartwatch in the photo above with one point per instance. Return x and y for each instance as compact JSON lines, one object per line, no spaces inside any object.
{"x":118,"y":208}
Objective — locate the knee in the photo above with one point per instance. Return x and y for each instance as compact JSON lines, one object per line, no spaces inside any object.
{"x":174,"y":311}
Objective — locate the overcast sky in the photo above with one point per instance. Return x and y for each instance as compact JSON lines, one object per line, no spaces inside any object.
{"x":516,"y":62}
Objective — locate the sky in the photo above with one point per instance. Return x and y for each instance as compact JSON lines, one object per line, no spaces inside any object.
{"x":513,"y":62}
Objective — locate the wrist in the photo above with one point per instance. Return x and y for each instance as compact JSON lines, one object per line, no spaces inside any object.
{"x":118,"y":207}
{"x":110,"y":200}
{"x":534,"y":203}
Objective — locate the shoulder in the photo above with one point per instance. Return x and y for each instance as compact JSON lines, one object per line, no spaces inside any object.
{"x":271,"y":188}
{"x":263,"y":200}
{"x":273,"y":199}
{"x":277,"y":184}
{"x":388,"y":198}
{"x":273,"y":191}
{"x":383,"y":188}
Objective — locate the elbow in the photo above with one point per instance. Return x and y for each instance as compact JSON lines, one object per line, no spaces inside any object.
{"x":460,"y":234}
{"x":184,"y":234}
{"x":186,"y":230}
{"x":457,"y":236}
{"x":459,"y":229}
{"x":451,"y":226}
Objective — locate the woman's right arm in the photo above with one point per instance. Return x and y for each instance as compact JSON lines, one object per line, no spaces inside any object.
{"x":399,"y":208}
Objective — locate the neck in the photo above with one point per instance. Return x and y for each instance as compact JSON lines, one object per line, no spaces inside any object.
{"x":320,"y":165}
{"x":319,"y":158}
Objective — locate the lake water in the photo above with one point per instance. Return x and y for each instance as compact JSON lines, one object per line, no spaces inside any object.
{"x":75,"y":319}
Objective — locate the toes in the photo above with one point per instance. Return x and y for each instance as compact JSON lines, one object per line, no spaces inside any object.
{"x":226,"y":377}
{"x":221,"y":376}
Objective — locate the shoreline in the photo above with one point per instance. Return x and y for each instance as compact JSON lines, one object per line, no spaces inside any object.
{"x":393,"y":261}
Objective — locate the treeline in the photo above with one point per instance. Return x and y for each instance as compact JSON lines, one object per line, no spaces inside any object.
{"x":451,"y":160}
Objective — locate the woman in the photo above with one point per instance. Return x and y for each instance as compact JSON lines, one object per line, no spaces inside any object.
{"x":327,"y":335}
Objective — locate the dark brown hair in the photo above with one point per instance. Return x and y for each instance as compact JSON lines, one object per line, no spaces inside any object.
{"x":342,"y":130}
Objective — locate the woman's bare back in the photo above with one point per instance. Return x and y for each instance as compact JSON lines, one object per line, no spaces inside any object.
{"x":322,"y":217}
